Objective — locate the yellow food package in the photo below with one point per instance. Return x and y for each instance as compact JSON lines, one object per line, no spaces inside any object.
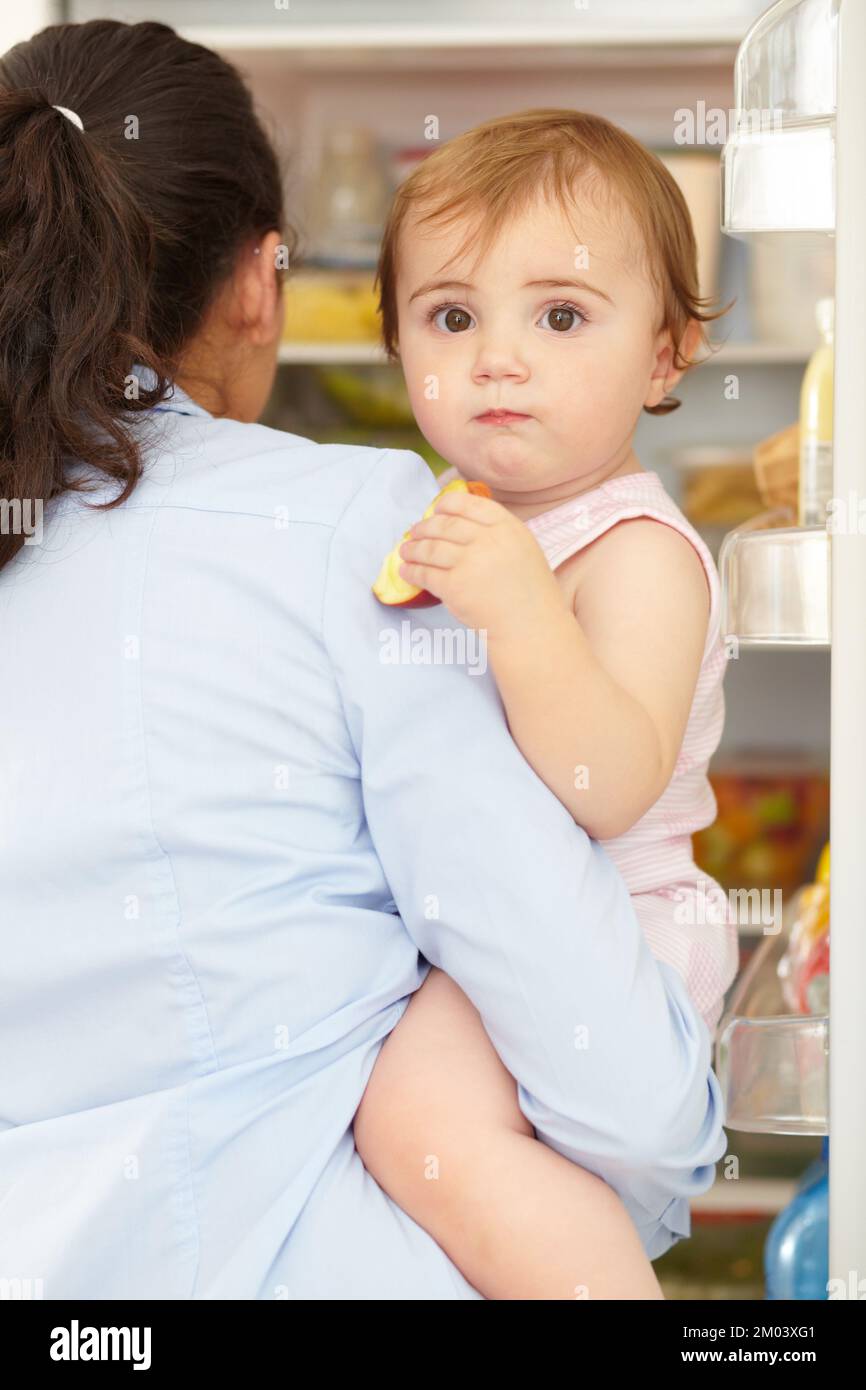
{"x":331,"y":307}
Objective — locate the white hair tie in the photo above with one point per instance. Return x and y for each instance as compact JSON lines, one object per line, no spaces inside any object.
{"x":70,"y":116}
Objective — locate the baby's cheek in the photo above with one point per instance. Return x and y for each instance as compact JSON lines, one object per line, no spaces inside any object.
{"x":435,"y":420}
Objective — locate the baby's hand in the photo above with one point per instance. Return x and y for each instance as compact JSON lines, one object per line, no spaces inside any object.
{"x":484,"y":564}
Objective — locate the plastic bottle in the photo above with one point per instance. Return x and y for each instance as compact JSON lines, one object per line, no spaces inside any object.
{"x":796,"y":1255}
{"x":816,"y":424}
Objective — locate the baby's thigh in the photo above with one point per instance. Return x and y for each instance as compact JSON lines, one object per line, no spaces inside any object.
{"x":436,"y":1095}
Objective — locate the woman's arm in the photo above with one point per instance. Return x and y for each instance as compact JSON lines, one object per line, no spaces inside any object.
{"x":597,"y":700}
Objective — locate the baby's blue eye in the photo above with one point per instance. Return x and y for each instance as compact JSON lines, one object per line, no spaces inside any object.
{"x":455,"y":320}
{"x":563,"y":317}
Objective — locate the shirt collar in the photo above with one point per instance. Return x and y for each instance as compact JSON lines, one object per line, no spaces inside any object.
{"x":177,"y":399}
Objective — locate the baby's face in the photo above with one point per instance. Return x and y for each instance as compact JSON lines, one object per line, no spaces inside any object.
{"x":560,"y":329}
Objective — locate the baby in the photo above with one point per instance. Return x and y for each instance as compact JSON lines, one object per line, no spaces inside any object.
{"x":538,"y":279}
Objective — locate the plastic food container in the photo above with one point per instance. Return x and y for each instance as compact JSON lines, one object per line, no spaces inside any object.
{"x":772,"y":817}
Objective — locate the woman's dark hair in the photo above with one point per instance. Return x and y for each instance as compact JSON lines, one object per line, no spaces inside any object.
{"x":114,"y":241}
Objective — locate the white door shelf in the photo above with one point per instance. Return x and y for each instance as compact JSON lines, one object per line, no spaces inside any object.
{"x":772,"y":1065}
{"x":776,"y":584}
{"x":779,"y":163}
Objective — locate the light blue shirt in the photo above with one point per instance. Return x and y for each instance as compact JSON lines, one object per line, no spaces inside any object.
{"x":239,"y":797}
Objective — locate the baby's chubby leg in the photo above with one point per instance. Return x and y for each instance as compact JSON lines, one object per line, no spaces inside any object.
{"x":440,"y":1129}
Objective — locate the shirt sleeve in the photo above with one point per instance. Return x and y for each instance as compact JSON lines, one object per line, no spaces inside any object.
{"x":499,"y":887}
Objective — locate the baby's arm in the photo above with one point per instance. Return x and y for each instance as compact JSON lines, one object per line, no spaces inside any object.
{"x":598,"y":696}
{"x":597,"y":701}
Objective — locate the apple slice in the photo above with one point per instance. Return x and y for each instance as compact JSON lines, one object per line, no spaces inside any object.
{"x":390,"y":587}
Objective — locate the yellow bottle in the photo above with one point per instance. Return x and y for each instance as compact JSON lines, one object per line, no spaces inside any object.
{"x":816,"y":424}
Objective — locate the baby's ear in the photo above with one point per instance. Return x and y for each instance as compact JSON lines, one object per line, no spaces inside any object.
{"x":665,"y":374}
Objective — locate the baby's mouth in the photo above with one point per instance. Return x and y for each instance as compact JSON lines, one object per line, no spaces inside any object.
{"x":501,"y":417}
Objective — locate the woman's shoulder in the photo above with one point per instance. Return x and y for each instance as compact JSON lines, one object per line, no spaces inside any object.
{"x":223,"y":465}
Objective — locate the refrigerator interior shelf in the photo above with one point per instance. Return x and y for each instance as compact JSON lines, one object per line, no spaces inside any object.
{"x":776,"y":583}
{"x":773,"y":1066}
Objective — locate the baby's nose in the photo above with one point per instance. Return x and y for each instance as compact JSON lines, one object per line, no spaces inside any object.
{"x":495,"y":362}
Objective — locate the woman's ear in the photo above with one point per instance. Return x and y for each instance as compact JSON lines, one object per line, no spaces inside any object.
{"x":664,"y":374}
{"x":259,"y":299}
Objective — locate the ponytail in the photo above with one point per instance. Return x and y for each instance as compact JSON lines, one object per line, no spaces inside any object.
{"x":112,"y":249}
{"x":76,"y":257}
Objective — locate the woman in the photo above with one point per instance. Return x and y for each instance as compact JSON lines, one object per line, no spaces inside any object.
{"x":231,"y":818}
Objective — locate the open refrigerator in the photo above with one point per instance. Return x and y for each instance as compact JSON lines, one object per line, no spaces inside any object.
{"x":793,"y":165}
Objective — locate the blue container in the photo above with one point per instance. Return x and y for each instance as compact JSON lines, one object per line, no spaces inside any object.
{"x":796,"y":1259}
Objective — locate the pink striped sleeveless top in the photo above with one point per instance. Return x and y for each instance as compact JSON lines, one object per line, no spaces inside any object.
{"x":684,"y":914}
